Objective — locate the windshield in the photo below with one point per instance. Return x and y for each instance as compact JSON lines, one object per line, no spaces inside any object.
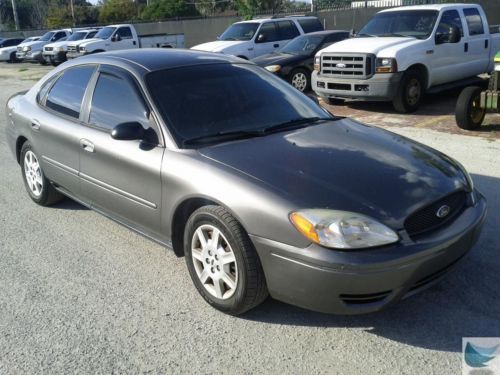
{"x":207,"y":100}
{"x":46,"y":37}
{"x":302,"y":45}
{"x":240,"y":31}
{"x":105,"y":33}
{"x":77,"y":36}
{"x":408,"y":23}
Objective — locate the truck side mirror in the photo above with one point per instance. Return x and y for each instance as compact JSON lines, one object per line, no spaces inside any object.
{"x":455,"y":35}
{"x":451,"y":35}
{"x":116,"y":38}
{"x":261,"y":38}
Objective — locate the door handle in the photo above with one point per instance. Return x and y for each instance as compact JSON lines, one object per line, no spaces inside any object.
{"x":466,"y":47}
{"x":35,"y":125}
{"x":486,"y":44}
{"x":87,"y":145}
{"x":276,"y":45}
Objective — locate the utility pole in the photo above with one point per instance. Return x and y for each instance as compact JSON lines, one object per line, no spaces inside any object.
{"x":312,"y":6}
{"x":72,"y":12}
{"x":14,"y":10}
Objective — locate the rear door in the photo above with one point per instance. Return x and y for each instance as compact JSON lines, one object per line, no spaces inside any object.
{"x":478,"y":55}
{"x":57,"y":125}
{"x":121,"y":178}
{"x":286,"y":32}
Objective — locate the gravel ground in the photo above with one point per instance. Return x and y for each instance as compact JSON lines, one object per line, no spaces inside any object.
{"x":81,"y":294}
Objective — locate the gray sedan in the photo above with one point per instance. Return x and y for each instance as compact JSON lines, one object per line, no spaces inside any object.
{"x":262,"y":190}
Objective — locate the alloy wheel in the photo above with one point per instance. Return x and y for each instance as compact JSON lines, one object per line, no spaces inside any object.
{"x":299,"y":81}
{"x":33,"y":173}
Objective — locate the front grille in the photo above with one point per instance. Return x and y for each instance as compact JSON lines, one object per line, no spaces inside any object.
{"x":426,"y":219}
{"x":347,"y":65}
{"x":359,"y":299}
{"x":71,"y":48}
{"x":48,"y":49}
{"x":19,"y":49}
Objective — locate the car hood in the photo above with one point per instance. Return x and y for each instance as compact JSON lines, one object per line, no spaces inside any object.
{"x":57,"y":44}
{"x":370,"y":45}
{"x":86,"y":42}
{"x":345,"y":165}
{"x":277,"y":59}
{"x":34,"y":45}
{"x":219,"y":45}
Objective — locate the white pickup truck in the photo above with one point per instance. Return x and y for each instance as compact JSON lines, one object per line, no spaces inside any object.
{"x":118,"y":37}
{"x":402,"y":53}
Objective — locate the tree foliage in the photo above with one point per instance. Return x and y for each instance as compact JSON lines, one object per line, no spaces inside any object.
{"x":162,"y":9}
{"x":115,"y":11}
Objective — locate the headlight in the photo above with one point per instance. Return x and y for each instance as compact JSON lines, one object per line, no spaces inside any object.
{"x":386,"y":65}
{"x":26,"y":48}
{"x":81,"y":49}
{"x":273,"y":68}
{"x":61,"y":49}
{"x":342,"y":229}
{"x":317,"y":63}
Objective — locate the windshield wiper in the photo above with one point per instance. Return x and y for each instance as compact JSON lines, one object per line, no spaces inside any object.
{"x":396,"y":34}
{"x":291,"y":123}
{"x":222,"y":136}
{"x":363,"y":34}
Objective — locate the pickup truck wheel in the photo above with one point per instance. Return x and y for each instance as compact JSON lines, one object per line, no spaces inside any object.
{"x":222,"y":261}
{"x":468,"y":113}
{"x":410,"y":92}
{"x":299,"y":78}
{"x":13,"y":59}
{"x":38,"y":186}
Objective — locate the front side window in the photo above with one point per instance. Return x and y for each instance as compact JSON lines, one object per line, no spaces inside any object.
{"x":76,"y":36}
{"x":66,"y":95}
{"x":474,"y":21}
{"x":105,"y":33}
{"x":47,"y":36}
{"x":310,"y":25}
{"x":207,"y":100}
{"x":268,"y":33}
{"x":91,"y":35}
{"x":287,"y":30}
{"x":116,"y":101}
{"x":450,"y":18}
{"x":240,"y":31}
{"x":59,"y":35}
{"x":125,"y":32}
{"x":405,"y":23}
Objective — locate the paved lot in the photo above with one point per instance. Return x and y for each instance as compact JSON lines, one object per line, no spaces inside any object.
{"x":81,"y":294}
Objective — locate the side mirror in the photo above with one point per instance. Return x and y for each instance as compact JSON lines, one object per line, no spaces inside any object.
{"x":455,"y":35}
{"x":116,"y":38}
{"x":261,"y":38}
{"x":128,"y":131}
{"x":451,"y":36}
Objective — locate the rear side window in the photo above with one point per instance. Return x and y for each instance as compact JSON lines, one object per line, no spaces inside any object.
{"x":474,"y":21}
{"x":67,"y":93}
{"x":59,"y":35}
{"x":91,"y":34}
{"x":450,"y":18}
{"x":269,"y":31}
{"x":125,"y":32}
{"x":121,"y":95}
{"x":310,"y":25}
{"x":287,"y":30}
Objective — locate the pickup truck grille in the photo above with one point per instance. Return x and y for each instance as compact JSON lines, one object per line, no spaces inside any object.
{"x":71,"y":48}
{"x":48,"y":49}
{"x":347,"y":65}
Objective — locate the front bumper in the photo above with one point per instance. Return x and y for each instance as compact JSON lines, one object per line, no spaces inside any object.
{"x":363,"y":281}
{"x":54,"y":57}
{"x":30,"y":55}
{"x":380,"y":87}
{"x":74,"y":55}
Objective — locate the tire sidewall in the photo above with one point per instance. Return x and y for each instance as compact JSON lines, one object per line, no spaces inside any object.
{"x":403,"y":91}
{"x":197,"y":220}
{"x":304,"y":72}
{"x":45,"y":191}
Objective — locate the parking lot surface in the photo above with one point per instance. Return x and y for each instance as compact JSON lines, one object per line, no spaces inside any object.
{"x":82,"y":294}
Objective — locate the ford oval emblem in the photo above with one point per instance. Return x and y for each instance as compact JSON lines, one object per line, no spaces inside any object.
{"x":341,"y":65}
{"x":443,"y":211}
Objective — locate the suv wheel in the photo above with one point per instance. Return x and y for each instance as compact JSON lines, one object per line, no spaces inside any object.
{"x":300,"y":79}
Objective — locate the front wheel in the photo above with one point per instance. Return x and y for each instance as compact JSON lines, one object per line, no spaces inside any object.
{"x":13,"y":58}
{"x":409,"y":93}
{"x":468,"y":112}
{"x":222,"y":261}
{"x":38,"y":186}
{"x":300,"y":79}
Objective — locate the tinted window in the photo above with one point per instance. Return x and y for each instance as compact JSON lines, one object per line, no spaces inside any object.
{"x":204,"y":100}
{"x":59,"y":35}
{"x":45,"y":88}
{"x":304,"y":45}
{"x":287,"y":30}
{"x":240,"y":31}
{"x":310,"y":25}
{"x":450,"y":18}
{"x":474,"y":21}
{"x":67,"y":93}
{"x":269,"y":31}
{"x":125,"y":32}
{"x":91,"y":34}
{"x":10,"y":42}
{"x":116,"y":101}
{"x":337,"y":37}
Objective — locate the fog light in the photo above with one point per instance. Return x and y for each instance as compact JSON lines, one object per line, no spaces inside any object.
{"x":321,"y":84}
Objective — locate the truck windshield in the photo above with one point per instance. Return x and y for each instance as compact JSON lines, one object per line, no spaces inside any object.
{"x":77,"y":36}
{"x":105,"y":33}
{"x":406,"y":23}
{"x":46,"y":37}
{"x":240,"y":31}
{"x":302,"y":45}
{"x":212,"y":102}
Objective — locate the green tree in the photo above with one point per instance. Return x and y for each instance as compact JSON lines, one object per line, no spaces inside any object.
{"x":161,"y":9}
{"x":114,"y":11}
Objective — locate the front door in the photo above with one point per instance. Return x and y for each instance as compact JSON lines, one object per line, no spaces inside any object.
{"x":266,"y":39}
{"x":123,"y":39}
{"x":121,"y":178}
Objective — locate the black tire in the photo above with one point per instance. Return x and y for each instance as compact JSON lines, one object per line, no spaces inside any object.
{"x":468,"y":114}
{"x":300,"y":79}
{"x":335,"y":101}
{"x":13,"y":58}
{"x":48,"y":194}
{"x":408,"y":100}
{"x":250,"y":289}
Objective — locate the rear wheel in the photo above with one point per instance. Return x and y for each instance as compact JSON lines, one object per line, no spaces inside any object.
{"x":222,"y":261}
{"x":300,"y":79}
{"x":37,"y":185}
{"x":468,"y":113}
{"x":410,"y":92}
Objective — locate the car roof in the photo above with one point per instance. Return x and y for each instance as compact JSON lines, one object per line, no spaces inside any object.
{"x":144,"y":60}
{"x":431,"y":7}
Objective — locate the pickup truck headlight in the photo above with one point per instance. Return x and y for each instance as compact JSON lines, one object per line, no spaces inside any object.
{"x":26,"y":48}
{"x":60,"y":49}
{"x":317,"y":63}
{"x":342,"y":229}
{"x":81,"y":49}
{"x":273,"y":68}
{"x":386,"y":65}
